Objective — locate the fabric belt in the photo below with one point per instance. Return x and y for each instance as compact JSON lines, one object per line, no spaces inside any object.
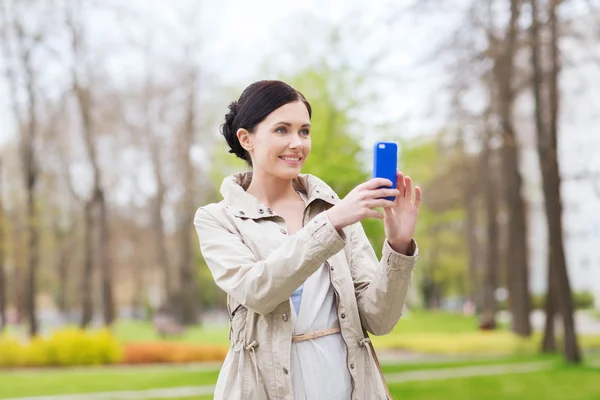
{"x":315,"y":335}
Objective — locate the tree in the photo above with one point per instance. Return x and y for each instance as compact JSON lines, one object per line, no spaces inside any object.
{"x":95,"y":208}
{"x":505,"y":50}
{"x":25,"y":42}
{"x":559,"y":296}
{"x":440,"y":171}
{"x":189,"y":296}
{"x":3,"y":286}
{"x":492,"y":264}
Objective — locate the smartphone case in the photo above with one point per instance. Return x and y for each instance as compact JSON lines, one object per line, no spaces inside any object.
{"x":385,"y":162}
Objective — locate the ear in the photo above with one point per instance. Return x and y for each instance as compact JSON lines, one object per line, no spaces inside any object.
{"x":245,"y":139}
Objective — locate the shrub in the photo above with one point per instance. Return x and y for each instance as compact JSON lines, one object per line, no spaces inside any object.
{"x":11,"y":352}
{"x":65,"y":347}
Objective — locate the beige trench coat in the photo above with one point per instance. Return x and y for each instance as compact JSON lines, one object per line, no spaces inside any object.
{"x":254,"y":260}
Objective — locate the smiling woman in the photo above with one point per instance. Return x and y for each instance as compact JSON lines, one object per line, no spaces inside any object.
{"x":254,"y":112}
{"x":303,"y":284}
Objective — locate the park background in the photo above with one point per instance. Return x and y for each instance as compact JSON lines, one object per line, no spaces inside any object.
{"x":109,"y":141}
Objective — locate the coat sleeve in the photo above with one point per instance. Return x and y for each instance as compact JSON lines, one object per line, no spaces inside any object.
{"x":261,"y":285}
{"x":381,"y":287}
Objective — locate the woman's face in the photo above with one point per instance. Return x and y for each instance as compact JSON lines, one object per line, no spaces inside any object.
{"x":281,"y":143}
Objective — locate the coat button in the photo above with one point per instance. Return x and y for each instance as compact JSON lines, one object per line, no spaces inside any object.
{"x":284,"y":317}
{"x":343,"y":315}
{"x":270,"y":211}
{"x":282,"y":231}
{"x":261,"y":211}
{"x":242,"y":213}
{"x":285,"y":371}
{"x":351,"y":366}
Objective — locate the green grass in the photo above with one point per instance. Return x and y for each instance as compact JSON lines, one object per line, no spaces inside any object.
{"x":565,"y":382}
{"x":53,"y":381}
{"x":418,"y":321}
{"x":15,"y":383}
{"x":406,"y":367}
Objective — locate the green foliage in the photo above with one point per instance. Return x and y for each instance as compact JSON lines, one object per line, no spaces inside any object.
{"x":439,"y":232}
{"x":335,"y":152}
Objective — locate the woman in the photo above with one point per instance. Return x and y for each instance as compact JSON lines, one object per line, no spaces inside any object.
{"x":303,"y":283}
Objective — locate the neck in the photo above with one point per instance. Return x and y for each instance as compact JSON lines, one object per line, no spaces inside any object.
{"x":270,"y":189}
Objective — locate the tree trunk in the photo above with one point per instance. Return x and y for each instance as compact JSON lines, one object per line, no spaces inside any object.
{"x":473,"y":246}
{"x":490,"y":282}
{"x":32,"y":254}
{"x":105,"y":261}
{"x":548,"y":150}
{"x":62,"y":269}
{"x":87,"y":304}
{"x":549,"y":339}
{"x":157,"y":219}
{"x":98,"y":201}
{"x":3,"y":286}
{"x":31,"y":176}
{"x":190,"y":300}
{"x":517,"y":259}
{"x":138,"y":272}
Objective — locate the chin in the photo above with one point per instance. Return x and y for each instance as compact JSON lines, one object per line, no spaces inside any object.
{"x":289,"y":174}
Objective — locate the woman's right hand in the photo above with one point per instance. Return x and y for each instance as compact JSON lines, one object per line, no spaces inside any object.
{"x":361,"y":201}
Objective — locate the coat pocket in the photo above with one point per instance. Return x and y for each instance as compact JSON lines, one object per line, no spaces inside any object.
{"x":238,"y":323}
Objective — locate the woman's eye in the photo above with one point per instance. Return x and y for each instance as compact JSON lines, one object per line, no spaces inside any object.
{"x":304,"y":132}
{"x":280,"y":130}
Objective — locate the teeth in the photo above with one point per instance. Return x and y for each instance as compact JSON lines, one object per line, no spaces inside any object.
{"x":290,"y":158}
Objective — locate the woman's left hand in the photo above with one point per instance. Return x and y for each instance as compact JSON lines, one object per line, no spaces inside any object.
{"x":400,"y":219}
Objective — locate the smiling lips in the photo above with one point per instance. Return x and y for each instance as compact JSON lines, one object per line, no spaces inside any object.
{"x":291,"y":160}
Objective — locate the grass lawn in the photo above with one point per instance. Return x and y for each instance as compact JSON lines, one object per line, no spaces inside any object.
{"x":562,"y":383}
{"x":55,"y":381}
{"x":15,"y":383}
{"x":580,"y":383}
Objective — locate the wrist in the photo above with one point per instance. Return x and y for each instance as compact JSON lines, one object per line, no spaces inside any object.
{"x":401,"y":246}
{"x":333,"y":219}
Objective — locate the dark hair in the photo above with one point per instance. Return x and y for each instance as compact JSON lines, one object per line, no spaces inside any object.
{"x":256,"y":102}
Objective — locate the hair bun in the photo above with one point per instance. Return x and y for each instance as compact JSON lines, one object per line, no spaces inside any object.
{"x":229,"y":131}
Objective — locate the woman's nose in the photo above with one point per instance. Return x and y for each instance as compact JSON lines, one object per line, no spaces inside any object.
{"x":296,"y":142}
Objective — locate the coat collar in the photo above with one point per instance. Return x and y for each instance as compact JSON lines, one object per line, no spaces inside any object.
{"x":244,"y":205}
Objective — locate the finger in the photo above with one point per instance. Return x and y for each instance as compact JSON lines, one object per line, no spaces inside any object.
{"x":380,"y":203}
{"x":417,"y":196}
{"x":408,"y":192}
{"x":374,"y":214}
{"x":377,"y":193}
{"x":400,"y":184}
{"x":376,"y":183}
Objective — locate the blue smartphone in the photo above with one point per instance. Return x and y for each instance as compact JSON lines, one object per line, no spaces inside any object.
{"x":385,"y":163}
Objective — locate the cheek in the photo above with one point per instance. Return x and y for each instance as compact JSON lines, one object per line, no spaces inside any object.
{"x":307,"y":147}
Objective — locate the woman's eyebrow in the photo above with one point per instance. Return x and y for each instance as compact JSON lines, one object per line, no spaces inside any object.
{"x":288,"y":124}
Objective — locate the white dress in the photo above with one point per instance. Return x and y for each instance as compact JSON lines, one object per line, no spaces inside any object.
{"x":318,"y":366}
